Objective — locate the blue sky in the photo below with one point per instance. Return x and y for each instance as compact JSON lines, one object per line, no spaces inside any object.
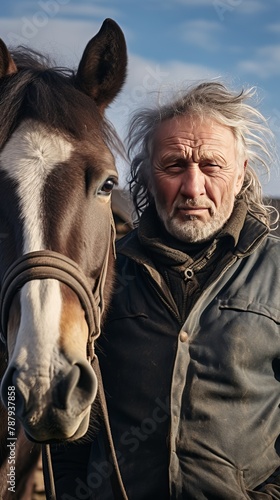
{"x":170,"y":43}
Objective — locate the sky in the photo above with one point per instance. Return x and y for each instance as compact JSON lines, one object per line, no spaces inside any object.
{"x":171,"y":44}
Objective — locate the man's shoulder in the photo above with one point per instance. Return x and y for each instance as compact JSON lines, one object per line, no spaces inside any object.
{"x":127,"y":241}
{"x":266,"y":258}
{"x":272,"y":241}
{"x":130,"y":247}
{"x":255,"y":236}
{"x":272,"y":246}
{"x":274,"y":238}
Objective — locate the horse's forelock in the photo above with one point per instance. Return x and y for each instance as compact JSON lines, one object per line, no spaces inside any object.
{"x":48,"y":94}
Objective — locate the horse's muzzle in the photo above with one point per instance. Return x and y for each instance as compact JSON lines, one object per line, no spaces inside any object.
{"x":52,"y":410}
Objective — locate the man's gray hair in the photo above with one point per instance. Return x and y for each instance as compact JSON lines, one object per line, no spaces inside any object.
{"x":254,"y":139}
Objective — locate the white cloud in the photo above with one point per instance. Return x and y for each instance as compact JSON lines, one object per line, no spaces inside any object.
{"x":249,"y":7}
{"x":202,"y":33}
{"x":274,"y":28}
{"x":265,"y":64}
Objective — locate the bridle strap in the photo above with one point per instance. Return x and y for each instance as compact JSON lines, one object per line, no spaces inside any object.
{"x":46,"y":264}
{"x":115,"y":477}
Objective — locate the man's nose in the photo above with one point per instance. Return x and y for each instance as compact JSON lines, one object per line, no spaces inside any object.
{"x":193,"y":182}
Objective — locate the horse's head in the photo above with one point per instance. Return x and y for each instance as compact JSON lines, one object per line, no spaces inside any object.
{"x":56,"y":243}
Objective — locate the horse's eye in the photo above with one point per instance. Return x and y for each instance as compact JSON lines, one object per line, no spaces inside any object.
{"x":107,"y":187}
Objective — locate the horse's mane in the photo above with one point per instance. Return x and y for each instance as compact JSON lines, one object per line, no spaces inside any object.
{"x":47,"y":93}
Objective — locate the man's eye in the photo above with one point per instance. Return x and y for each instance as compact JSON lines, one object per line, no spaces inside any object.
{"x":107,"y":187}
{"x":174,"y":168}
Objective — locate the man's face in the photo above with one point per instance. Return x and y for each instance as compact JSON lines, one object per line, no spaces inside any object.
{"x":195,"y":176}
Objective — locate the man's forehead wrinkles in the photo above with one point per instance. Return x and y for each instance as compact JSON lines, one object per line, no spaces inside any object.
{"x":185,"y":142}
{"x":201,"y":151}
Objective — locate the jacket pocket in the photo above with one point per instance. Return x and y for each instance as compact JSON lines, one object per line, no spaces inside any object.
{"x":243,"y":304}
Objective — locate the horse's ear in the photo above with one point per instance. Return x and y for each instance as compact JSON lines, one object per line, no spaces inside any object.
{"x":7,"y":65}
{"x":102,"y":69}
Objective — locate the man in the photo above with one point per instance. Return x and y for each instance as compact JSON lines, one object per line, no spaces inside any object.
{"x":190,"y":353}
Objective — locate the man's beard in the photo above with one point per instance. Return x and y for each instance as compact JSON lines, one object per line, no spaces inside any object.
{"x":193,"y":230}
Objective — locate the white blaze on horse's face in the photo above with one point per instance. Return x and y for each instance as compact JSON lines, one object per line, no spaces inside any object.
{"x":28,"y":158}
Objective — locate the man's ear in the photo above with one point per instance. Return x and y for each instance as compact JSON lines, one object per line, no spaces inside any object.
{"x":240,"y":178}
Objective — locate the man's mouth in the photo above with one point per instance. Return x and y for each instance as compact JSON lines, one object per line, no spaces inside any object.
{"x":195,"y":211}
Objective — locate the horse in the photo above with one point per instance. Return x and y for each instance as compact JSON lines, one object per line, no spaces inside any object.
{"x":57,"y":173}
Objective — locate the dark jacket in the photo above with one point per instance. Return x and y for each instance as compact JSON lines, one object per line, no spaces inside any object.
{"x":194,"y":405}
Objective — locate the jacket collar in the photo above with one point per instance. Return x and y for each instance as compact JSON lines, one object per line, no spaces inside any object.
{"x":252,"y":234}
{"x":245,"y":231}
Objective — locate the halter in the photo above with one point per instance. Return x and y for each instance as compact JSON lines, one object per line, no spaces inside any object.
{"x":46,"y":264}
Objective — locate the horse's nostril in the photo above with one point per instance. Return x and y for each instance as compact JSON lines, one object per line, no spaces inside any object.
{"x":77,"y":390}
{"x":65,"y":387}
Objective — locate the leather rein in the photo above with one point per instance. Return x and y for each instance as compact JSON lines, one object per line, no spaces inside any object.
{"x":46,"y":264}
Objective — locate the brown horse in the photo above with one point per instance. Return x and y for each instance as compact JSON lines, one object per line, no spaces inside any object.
{"x":57,"y":172}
